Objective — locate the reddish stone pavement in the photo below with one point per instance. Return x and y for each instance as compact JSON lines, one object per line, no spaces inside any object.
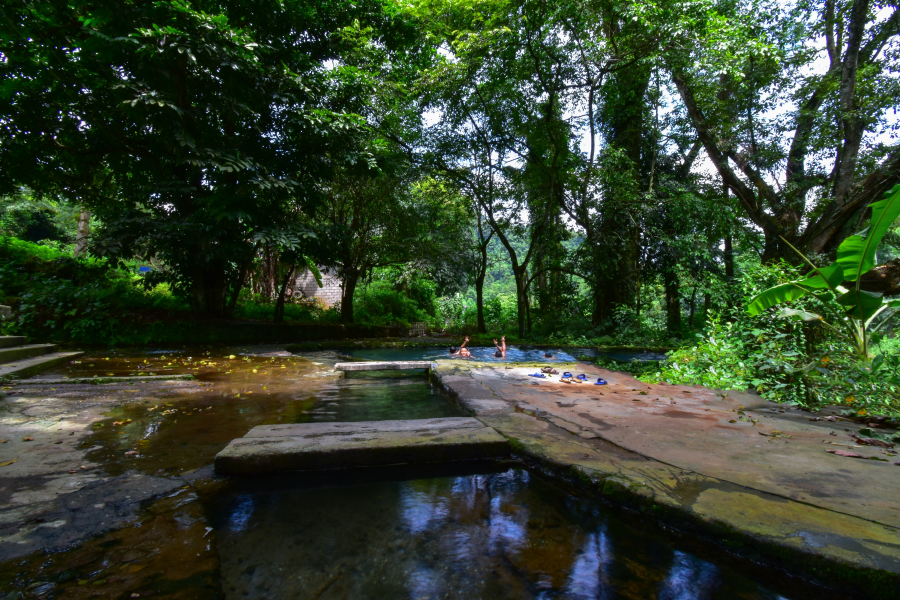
{"x":729,"y":457}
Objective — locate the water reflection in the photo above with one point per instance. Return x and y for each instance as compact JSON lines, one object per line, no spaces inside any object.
{"x":501,"y":535}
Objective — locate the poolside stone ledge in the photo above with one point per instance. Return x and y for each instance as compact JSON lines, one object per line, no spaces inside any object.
{"x":321,"y":446}
{"x":750,"y":476}
{"x":397,"y":365}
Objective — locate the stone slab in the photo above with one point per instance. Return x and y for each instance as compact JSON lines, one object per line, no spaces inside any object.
{"x":750,"y":475}
{"x":343,"y":428}
{"x":321,"y":446}
{"x":8,"y":341}
{"x":33,"y":366}
{"x":399,"y":365}
{"x":100,"y":380}
{"x":14,"y":353}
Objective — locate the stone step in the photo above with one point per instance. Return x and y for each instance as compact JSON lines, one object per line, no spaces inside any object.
{"x":320,"y":446}
{"x":7,"y":341}
{"x":400,"y":365}
{"x":22,"y":352}
{"x":32,"y":366}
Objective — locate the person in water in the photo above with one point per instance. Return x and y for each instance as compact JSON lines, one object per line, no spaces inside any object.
{"x":501,"y":347}
{"x":463,"y":351}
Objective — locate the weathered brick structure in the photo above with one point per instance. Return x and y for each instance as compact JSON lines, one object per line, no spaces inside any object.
{"x":306,"y":287}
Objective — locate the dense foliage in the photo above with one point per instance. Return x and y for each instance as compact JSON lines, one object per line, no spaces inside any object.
{"x":592,"y":172}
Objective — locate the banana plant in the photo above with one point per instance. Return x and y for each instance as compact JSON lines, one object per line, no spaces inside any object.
{"x":849,"y":312}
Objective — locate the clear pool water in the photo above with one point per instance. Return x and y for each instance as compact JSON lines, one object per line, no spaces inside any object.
{"x":507,"y":534}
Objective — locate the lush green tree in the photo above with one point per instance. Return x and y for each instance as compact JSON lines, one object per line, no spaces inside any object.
{"x":185,"y":126}
{"x":789,"y":102}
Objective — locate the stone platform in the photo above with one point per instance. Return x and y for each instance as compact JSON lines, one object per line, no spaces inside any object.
{"x":397,"y":365}
{"x":320,"y":446}
{"x":757,"y":478}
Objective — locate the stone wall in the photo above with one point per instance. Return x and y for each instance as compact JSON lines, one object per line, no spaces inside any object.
{"x":306,"y":287}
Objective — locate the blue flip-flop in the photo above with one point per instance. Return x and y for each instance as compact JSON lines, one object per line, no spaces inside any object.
{"x":582,"y":377}
{"x":600,"y":381}
{"x":566,"y":374}
{"x":538,"y":375}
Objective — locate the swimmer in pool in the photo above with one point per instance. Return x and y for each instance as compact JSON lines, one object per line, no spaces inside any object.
{"x":501,"y":347}
{"x":463,"y":351}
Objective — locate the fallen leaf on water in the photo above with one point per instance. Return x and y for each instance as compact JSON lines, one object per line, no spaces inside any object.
{"x":9,"y":462}
{"x":845,"y":453}
{"x":130,"y":452}
{"x":232,"y":357}
{"x":28,"y":438}
{"x":3,"y":441}
{"x":872,"y":442}
{"x":135,"y":569}
{"x":732,"y":421}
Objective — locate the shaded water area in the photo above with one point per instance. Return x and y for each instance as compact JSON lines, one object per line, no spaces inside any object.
{"x":474,"y":530}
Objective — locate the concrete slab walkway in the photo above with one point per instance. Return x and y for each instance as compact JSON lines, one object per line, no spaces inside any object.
{"x":751,"y":474}
{"x":317,"y":446}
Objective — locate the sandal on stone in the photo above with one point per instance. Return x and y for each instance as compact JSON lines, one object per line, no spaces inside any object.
{"x":538,"y":375}
{"x":601,"y":381}
{"x":582,"y":377}
{"x":566,"y":374}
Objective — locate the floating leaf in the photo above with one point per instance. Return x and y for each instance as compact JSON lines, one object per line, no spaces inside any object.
{"x":28,"y":438}
{"x":9,"y":462}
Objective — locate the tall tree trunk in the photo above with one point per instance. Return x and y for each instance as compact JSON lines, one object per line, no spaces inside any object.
{"x":84,"y":232}
{"x":521,"y":301}
{"x":673,"y":300}
{"x":480,"y":273}
{"x":693,"y":306}
{"x":351,"y":278}
{"x":208,"y":287}
{"x":236,"y":290}
{"x":279,"y":304}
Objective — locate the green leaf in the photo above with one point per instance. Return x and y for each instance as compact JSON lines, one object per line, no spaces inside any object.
{"x":860,"y":304}
{"x":831,"y":276}
{"x":786,"y":313}
{"x":856,"y":254}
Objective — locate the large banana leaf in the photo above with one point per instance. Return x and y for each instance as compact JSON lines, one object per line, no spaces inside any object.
{"x":860,"y":304}
{"x":856,"y":254}
{"x":826,"y":278}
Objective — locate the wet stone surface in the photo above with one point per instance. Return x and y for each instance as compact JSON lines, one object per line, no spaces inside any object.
{"x":107,"y":491}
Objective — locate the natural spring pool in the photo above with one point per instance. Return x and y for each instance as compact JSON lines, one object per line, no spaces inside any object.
{"x":485,"y":354}
{"x":464,"y":531}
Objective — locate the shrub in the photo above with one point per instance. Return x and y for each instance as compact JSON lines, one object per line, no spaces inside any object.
{"x":784,"y":360}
